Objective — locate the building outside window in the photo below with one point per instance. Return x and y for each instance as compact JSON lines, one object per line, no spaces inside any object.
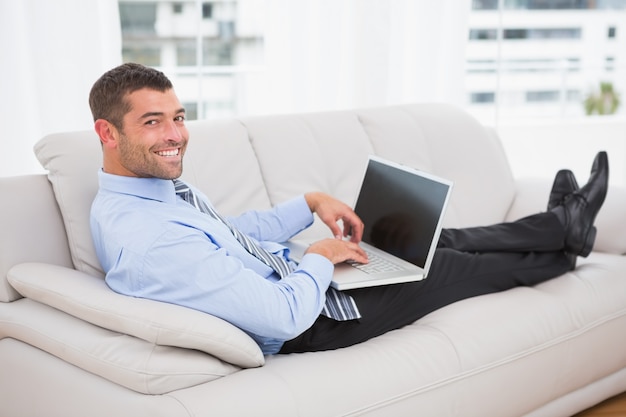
{"x":535,"y":58}
{"x":207,"y":48}
{"x":542,"y":58}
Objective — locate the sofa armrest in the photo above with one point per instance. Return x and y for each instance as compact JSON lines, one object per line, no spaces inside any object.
{"x":532,"y":197}
{"x":32,"y":227}
{"x":90,"y":299}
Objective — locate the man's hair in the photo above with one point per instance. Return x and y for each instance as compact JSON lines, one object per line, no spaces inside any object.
{"x":107,"y":98}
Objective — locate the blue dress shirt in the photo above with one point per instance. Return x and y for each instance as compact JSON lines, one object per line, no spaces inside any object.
{"x":152,"y":244}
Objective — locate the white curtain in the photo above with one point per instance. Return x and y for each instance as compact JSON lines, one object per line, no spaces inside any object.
{"x":335,"y":54}
{"x":52,"y":52}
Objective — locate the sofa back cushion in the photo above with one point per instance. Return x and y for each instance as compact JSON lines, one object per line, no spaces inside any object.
{"x":328,"y":151}
{"x":256,"y":162}
{"x":72,"y":160}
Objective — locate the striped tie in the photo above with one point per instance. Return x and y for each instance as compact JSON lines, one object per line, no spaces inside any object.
{"x":339,"y":306}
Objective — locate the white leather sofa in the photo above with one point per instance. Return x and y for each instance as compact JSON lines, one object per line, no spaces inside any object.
{"x":71,"y":347}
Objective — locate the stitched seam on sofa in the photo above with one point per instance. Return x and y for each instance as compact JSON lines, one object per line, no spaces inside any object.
{"x":256,"y":157}
{"x":463,"y":375}
{"x":420,"y":127}
{"x":366,"y":133}
{"x":182,"y":404}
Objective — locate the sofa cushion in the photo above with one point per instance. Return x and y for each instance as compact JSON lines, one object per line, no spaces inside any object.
{"x":72,"y":161}
{"x":335,"y":146}
{"x":125,"y":360}
{"x":446,"y":141}
{"x":88,"y":298}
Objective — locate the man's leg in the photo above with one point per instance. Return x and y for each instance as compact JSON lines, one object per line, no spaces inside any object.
{"x":475,"y":261}
{"x":575,"y":211}
{"x":454,"y":276}
{"x":541,"y":232}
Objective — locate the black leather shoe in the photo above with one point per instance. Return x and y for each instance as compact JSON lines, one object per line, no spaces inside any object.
{"x":571,"y":258}
{"x":564,"y":184}
{"x":579,"y":210}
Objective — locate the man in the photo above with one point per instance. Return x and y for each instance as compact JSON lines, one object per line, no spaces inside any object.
{"x":159,"y":238}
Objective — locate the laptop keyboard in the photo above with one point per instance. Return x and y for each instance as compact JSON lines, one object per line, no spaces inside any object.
{"x":376,"y":264}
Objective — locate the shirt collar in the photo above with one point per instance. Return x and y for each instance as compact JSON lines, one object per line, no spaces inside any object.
{"x":150,"y":188}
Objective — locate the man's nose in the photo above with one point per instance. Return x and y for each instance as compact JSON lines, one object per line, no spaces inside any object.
{"x":173,"y":131}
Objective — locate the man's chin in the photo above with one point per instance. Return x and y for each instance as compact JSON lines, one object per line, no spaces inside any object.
{"x":173,"y":172}
{"x":168,"y":174}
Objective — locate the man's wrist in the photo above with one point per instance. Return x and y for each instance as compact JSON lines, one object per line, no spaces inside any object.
{"x":312,"y":200}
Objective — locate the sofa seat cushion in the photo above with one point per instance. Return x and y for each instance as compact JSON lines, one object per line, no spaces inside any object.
{"x":88,"y":298}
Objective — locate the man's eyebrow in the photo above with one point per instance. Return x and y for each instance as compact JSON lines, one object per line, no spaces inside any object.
{"x":158,"y":113}
{"x":151,"y":114}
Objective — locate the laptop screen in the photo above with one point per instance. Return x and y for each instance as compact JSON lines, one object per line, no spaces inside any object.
{"x":401,"y":209}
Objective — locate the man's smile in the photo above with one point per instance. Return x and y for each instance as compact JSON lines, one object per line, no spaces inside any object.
{"x":168,"y":152}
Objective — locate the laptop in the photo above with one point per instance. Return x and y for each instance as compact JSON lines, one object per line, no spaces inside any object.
{"x":403,"y":210}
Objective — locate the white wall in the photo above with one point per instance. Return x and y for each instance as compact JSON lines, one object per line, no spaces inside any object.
{"x":541,"y":148}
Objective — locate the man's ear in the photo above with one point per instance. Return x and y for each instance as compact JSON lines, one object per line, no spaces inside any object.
{"x":107,"y":132}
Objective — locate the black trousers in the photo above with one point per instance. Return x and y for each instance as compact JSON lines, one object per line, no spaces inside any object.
{"x":468,"y":262}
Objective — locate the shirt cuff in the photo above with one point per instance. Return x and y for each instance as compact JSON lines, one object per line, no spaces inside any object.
{"x":297,"y":214}
{"x":317,"y":266}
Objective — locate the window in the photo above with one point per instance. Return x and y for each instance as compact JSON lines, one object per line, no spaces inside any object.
{"x":540,"y":58}
{"x":572,"y":64}
{"x":574,"y":96}
{"x":548,"y":4}
{"x":475,"y":66}
{"x":202,"y":46}
{"x":542,"y":96}
{"x":483,"y":97}
{"x":186,"y":53}
{"x":191,"y":110}
{"x":207,"y":10}
{"x":137,"y":19}
{"x":611,"y":32}
{"x":145,"y":53}
{"x":484,"y":4}
{"x":483,"y":34}
{"x":551,"y":33}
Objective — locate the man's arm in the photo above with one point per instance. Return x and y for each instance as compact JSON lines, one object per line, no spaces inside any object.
{"x":286,"y":219}
{"x":183,"y":266}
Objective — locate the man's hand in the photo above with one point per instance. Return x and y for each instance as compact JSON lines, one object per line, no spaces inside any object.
{"x":330,"y":211}
{"x":337,"y":250}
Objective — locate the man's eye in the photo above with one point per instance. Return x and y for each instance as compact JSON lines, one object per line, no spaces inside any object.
{"x":151,"y":122}
{"x":180,"y":118}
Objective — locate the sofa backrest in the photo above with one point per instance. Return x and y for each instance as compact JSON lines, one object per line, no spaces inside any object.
{"x":328,"y":151}
{"x":255,"y":162}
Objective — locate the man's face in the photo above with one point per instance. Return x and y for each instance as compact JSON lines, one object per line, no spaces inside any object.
{"x":154,"y":137}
